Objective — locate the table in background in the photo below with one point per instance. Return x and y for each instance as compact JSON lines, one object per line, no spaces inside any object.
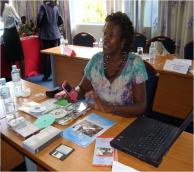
{"x":178,"y":158}
{"x":174,"y":93}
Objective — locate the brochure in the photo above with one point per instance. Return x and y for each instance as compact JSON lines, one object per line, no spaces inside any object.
{"x":104,"y":154}
{"x":86,"y":130}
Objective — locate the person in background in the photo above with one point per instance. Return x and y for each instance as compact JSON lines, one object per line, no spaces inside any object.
{"x":24,"y":29}
{"x":115,"y":78}
{"x":11,"y":39}
{"x":49,"y":33}
{"x":32,"y":27}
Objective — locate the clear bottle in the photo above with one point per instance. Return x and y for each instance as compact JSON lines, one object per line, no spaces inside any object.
{"x":17,"y":83}
{"x":152,"y":52}
{"x":100,"y":43}
{"x":8,"y":100}
{"x":2,"y":107}
{"x":62,"y":44}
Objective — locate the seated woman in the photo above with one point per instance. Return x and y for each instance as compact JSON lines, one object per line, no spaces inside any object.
{"x":115,"y":78}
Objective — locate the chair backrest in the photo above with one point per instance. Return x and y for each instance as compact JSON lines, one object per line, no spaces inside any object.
{"x":138,"y":41}
{"x":168,"y":43}
{"x":188,"y":51}
{"x":84,"y":39}
{"x":151,"y":85}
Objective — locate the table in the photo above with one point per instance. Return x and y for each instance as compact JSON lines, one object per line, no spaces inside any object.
{"x":32,"y":56}
{"x":174,"y":93}
{"x":70,"y":68}
{"x":178,"y":158}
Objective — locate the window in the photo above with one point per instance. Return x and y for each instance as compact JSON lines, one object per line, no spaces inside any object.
{"x":150,"y":12}
{"x":88,"y":11}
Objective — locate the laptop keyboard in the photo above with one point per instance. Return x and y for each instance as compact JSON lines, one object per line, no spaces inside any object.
{"x":147,"y":139}
{"x":151,"y":143}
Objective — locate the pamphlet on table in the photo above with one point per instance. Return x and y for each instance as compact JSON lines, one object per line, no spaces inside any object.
{"x":84,"y":131}
{"x":104,"y":154}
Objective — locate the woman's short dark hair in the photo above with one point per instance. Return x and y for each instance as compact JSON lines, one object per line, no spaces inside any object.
{"x":127,"y":30}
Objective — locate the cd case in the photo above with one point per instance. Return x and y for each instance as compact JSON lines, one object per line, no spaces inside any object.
{"x":23,"y":127}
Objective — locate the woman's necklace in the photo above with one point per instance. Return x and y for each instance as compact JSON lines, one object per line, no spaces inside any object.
{"x":117,"y":70}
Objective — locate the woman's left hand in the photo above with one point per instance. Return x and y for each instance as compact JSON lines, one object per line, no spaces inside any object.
{"x":99,"y":104}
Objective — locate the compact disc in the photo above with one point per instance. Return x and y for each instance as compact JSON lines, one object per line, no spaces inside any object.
{"x":37,"y":109}
{"x":59,"y":113}
{"x":44,"y":121}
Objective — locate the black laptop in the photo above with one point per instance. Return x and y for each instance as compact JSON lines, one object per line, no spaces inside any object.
{"x":149,"y":139}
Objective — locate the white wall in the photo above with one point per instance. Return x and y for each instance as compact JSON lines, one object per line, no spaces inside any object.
{"x":95,"y":30}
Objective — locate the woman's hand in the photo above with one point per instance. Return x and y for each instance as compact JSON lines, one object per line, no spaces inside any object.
{"x":98,"y":103}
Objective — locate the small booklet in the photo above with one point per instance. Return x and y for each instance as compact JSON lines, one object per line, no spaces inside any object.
{"x":104,"y":154}
{"x":86,"y":130}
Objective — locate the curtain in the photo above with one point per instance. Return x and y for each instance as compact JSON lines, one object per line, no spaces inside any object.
{"x":176,"y":22}
{"x":141,"y":13}
{"x":153,"y":18}
{"x":28,"y":8}
{"x":64,"y":9}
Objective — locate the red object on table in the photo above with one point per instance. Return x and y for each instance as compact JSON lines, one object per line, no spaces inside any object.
{"x":32,"y":59}
{"x":69,"y":52}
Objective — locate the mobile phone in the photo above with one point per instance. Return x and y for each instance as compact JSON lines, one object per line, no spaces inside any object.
{"x":70,"y":91}
{"x":61,"y":151}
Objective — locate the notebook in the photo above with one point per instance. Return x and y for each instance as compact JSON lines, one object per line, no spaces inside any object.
{"x":149,"y":139}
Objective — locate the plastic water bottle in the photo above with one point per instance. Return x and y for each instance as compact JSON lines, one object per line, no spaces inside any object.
{"x":100,"y":43}
{"x":17,"y":83}
{"x":63,"y":43}
{"x":8,"y":100}
{"x":2,"y":108}
{"x":152,"y":52}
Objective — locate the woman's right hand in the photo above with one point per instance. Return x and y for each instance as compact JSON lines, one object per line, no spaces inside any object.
{"x":61,"y":94}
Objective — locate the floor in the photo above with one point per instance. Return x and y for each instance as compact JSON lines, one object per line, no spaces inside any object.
{"x":38,"y":80}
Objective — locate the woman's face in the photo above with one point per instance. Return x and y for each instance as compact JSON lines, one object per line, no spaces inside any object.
{"x":112,"y":39}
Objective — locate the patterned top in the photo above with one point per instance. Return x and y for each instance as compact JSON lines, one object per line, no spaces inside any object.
{"x":119,"y":92}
